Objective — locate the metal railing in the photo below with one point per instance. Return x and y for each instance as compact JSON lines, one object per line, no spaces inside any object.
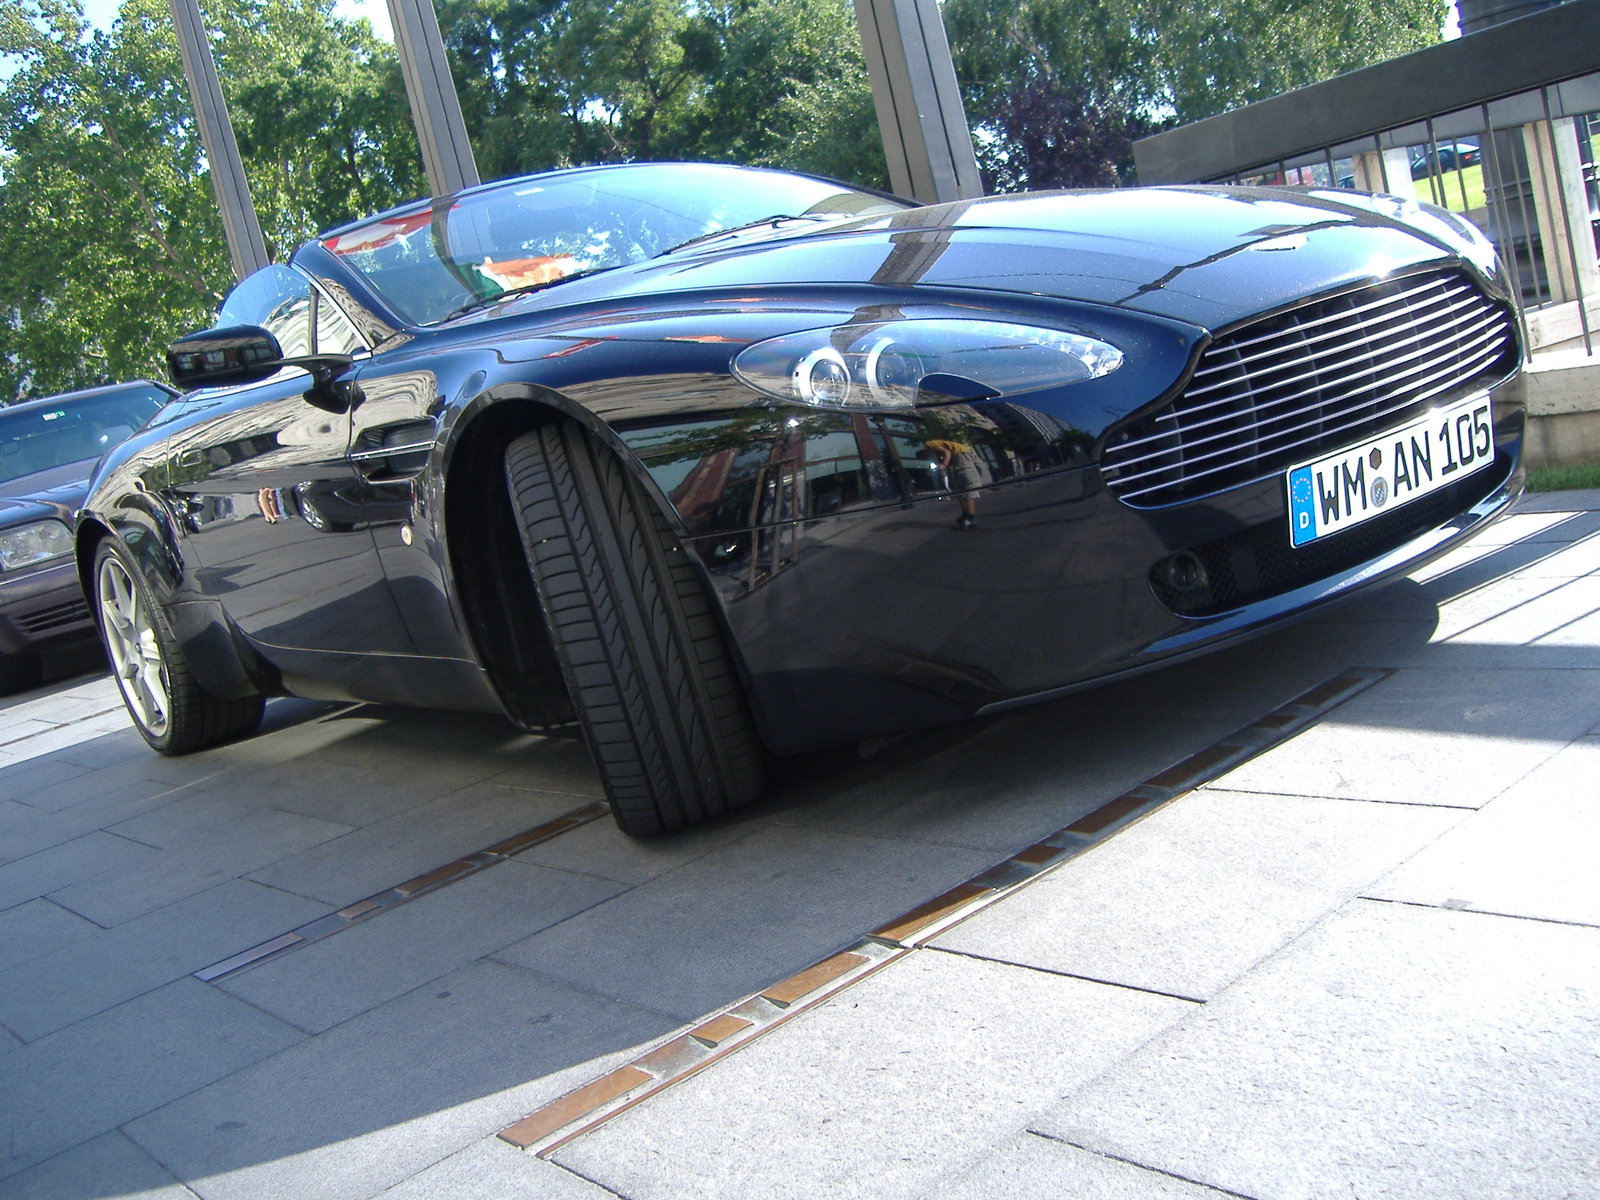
{"x":1489,"y":127}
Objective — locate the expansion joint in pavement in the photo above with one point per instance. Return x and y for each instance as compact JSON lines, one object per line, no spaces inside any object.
{"x":1006,"y":962}
{"x":1133,"y":1162}
{"x":576,"y":1113}
{"x":1467,"y":906}
{"x":403,"y":893}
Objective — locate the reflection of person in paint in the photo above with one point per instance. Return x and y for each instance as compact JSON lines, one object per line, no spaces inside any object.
{"x":966,"y":473}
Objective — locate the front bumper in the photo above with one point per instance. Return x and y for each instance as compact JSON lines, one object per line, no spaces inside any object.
{"x":43,"y":608}
{"x":878,"y":622}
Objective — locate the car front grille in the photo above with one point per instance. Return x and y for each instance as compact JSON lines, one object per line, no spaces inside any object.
{"x":57,"y":616}
{"x":1311,"y":380}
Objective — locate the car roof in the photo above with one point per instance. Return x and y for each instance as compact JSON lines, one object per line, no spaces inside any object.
{"x":105,"y":389}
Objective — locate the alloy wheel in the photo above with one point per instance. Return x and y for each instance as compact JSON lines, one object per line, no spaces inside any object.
{"x":135,"y":648}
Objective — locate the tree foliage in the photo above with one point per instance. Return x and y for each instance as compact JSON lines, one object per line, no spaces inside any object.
{"x":1100,"y":71}
{"x":551,"y":83}
{"x":110,"y":242}
{"x":110,"y":239}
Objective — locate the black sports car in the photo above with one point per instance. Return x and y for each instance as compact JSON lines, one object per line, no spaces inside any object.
{"x":715,"y":462}
{"x":48,"y":447}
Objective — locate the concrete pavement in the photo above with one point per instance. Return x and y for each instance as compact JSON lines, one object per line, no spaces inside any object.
{"x":1366,"y":962}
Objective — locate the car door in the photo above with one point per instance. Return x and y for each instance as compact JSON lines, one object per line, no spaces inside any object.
{"x":272,"y":508}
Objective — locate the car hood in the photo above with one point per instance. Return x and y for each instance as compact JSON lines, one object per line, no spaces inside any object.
{"x":57,"y":492}
{"x":1208,"y":256}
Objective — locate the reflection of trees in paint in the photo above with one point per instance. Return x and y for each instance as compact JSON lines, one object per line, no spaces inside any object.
{"x":768,"y":466}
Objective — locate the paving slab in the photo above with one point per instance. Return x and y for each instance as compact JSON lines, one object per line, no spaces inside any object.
{"x":492,"y":1168}
{"x":1033,"y":1167}
{"x":389,"y":955}
{"x":1567,"y":500}
{"x":82,"y":858}
{"x":600,"y":848}
{"x":103,"y":1167}
{"x":553,"y":765}
{"x":1581,"y":557}
{"x":1189,"y":899}
{"x":186,"y":869}
{"x":743,"y":917}
{"x":1531,"y":852}
{"x":1392,"y":1051}
{"x":20,"y":781}
{"x":85,"y":1081}
{"x":374,"y":1101}
{"x":1552,"y":605}
{"x":878,"y":1092}
{"x":1000,"y":786}
{"x":429,"y":835}
{"x":1443,"y":736}
{"x":109,"y":966}
{"x":37,"y":928}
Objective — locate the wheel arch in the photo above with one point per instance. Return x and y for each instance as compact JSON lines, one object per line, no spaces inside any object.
{"x":500,"y":608}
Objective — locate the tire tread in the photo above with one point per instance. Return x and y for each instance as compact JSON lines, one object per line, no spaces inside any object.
{"x":650,"y":675}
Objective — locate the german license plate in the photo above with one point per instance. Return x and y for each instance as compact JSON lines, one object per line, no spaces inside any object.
{"x":1334,"y":493}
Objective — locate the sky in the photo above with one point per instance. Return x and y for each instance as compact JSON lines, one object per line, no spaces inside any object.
{"x":101,"y":13}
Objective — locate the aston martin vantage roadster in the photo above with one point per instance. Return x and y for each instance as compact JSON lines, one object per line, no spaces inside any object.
{"x":711,"y":464}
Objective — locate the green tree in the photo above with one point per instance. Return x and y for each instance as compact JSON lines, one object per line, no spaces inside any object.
{"x":110,"y":240}
{"x":553,"y":83}
{"x":1095,"y":66}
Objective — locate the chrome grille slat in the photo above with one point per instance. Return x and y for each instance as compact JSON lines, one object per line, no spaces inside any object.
{"x":1480,"y":333}
{"x":1335,"y":316}
{"x":1366,"y":315}
{"x":1312,"y":380}
{"x":1437,"y":320}
{"x":1485,"y":358}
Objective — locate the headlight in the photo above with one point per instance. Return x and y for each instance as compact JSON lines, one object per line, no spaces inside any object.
{"x":938,"y":360}
{"x":29,"y":544}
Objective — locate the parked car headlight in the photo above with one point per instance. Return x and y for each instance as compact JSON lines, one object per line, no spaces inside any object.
{"x":29,"y":544}
{"x":936,"y":360}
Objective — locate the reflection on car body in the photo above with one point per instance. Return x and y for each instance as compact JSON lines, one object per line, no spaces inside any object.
{"x":547,"y":449}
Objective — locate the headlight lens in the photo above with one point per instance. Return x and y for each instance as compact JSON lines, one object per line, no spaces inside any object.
{"x":937,"y":360}
{"x":29,"y":544}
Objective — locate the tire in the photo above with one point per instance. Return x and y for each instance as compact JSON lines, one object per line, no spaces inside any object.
{"x":172,"y":712}
{"x":649,"y":674}
{"x":19,"y":672}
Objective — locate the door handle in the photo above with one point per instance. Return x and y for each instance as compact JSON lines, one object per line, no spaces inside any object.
{"x":191,"y":458}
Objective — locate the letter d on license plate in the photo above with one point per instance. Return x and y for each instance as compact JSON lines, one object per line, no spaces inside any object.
{"x":1364,"y":481}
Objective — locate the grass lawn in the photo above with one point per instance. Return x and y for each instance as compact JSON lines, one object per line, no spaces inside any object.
{"x":1462,"y":192}
{"x":1561,"y":479}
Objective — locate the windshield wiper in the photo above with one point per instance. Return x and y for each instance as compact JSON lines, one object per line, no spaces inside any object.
{"x":774,"y":220}
{"x":525,"y":289}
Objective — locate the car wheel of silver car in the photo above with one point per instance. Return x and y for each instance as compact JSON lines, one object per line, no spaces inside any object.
{"x":171,"y":711}
{"x":645,"y":662}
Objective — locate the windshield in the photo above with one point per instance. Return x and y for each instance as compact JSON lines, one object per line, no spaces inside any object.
{"x":537,"y":231}
{"x":52,"y":435}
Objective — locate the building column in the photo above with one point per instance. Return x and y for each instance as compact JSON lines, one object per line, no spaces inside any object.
{"x":435,"y":106}
{"x":239,"y":224}
{"x":1555,"y":177}
{"x":1390,"y":172}
{"x":920,"y":115}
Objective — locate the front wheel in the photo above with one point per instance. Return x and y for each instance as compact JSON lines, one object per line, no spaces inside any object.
{"x":172,"y":712}
{"x":645,"y":662}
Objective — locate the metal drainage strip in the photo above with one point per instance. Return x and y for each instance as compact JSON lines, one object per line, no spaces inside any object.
{"x":400,"y":894}
{"x":576,"y":1113}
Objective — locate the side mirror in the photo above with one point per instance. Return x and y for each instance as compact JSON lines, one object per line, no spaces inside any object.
{"x":221,"y":357}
